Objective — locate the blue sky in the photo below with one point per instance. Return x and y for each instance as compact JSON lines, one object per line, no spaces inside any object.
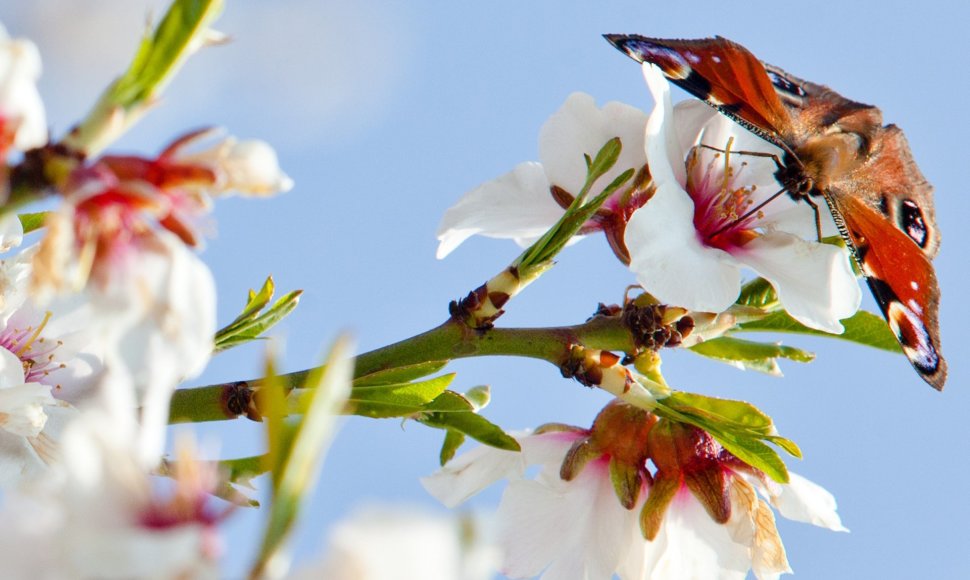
{"x":384,"y":113}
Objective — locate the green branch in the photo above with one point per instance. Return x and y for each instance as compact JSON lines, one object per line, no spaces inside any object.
{"x":449,"y":341}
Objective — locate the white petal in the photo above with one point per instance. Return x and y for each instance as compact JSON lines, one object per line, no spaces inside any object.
{"x":11,"y":369}
{"x":253,"y":168}
{"x":471,"y":472}
{"x":386,"y":542}
{"x":11,"y":231}
{"x":692,"y":545}
{"x":20,"y":102}
{"x":580,"y":128}
{"x":663,"y":148}
{"x":574,"y":529}
{"x":689,"y":118}
{"x":806,"y":501}
{"x":815,"y":282}
{"x":517,"y":205}
{"x":671,"y":263}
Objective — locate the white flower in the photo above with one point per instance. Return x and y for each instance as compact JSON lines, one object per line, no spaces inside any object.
{"x":520,"y":206}
{"x":575,"y":529}
{"x":396,"y":543}
{"x":579,"y":529}
{"x":687,"y":245}
{"x":249,"y":167}
{"x":23,"y":123}
{"x":100,"y":516}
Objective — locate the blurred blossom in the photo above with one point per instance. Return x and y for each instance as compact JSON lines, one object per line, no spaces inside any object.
{"x":688,"y":246}
{"x":100,"y":515}
{"x":595,"y":509}
{"x":23,"y":123}
{"x":396,"y":543}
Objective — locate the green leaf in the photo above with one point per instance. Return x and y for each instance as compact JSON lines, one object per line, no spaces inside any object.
{"x":160,"y":55}
{"x":863,"y":328}
{"x":182,"y":30}
{"x":537,"y":257}
{"x":453,"y":412}
{"x":605,"y":159}
{"x":396,"y":400}
{"x":296,"y":459}
{"x":453,"y":440}
{"x":750,"y":355}
{"x":32,"y":221}
{"x":253,"y":322}
{"x":740,"y":414}
{"x":758,"y":293}
{"x":400,"y":374}
{"x":738,"y":426}
{"x":754,"y":453}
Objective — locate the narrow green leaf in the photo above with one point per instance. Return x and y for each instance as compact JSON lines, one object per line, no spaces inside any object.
{"x":605,"y":159}
{"x":754,"y":453}
{"x":397,"y":400}
{"x":787,"y":444}
{"x":737,"y":413}
{"x":737,"y":349}
{"x":253,"y":321}
{"x":474,"y":426}
{"x":400,"y":374}
{"x":32,"y":221}
{"x":863,"y":328}
{"x":453,"y":440}
{"x":758,"y":293}
{"x":182,"y":30}
{"x":327,"y":389}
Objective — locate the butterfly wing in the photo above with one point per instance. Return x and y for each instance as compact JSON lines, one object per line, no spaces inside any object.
{"x":901,"y":279}
{"x":722,"y":73}
{"x":885,"y":213}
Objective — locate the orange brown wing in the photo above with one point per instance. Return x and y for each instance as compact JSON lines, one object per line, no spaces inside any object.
{"x":722,"y":73}
{"x":901,"y":278}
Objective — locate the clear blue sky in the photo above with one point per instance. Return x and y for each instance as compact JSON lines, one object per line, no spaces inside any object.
{"x":384,"y":113}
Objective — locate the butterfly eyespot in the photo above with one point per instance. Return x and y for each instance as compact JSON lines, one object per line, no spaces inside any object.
{"x":911,"y":221}
{"x":783,"y":84}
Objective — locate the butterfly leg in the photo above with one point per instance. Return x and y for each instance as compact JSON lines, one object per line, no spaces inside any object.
{"x":766,"y":155}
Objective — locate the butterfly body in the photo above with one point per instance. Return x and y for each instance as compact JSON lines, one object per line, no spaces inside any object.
{"x":834,"y":149}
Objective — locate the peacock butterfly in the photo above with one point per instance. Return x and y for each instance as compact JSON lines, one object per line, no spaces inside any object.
{"x":836,"y":149}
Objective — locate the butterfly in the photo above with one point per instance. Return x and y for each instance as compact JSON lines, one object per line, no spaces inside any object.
{"x":838,"y":150}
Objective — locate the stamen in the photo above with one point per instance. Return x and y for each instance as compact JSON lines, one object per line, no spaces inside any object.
{"x":30,"y":341}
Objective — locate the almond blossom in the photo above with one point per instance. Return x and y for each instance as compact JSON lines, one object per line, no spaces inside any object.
{"x":379,"y":542}
{"x":524,"y":203}
{"x":23,"y":123}
{"x":595,"y":508}
{"x":688,"y":246}
{"x":101,"y":516}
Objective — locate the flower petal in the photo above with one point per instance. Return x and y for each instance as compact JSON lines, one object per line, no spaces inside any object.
{"x":803,"y":500}
{"x":671,"y":263}
{"x":580,"y":128}
{"x":517,"y":205}
{"x":471,"y":472}
{"x":692,"y":545}
{"x":815,"y":282}
{"x":573,"y":529}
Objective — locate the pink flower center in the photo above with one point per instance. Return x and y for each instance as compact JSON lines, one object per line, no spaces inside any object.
{"x":34,"y":351}
{"x":722,"y":203}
